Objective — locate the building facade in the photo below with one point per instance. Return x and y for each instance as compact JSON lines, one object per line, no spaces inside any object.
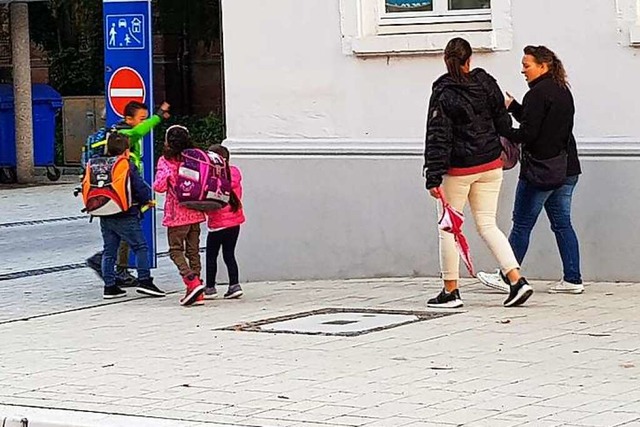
{"x":325,"y":109}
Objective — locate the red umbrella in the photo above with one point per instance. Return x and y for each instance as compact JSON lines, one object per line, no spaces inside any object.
{"x":451,"y":222}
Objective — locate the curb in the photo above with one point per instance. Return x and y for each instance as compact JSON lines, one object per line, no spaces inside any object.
{"x":25,"y":422}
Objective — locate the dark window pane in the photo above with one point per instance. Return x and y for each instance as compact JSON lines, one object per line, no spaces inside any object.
{"x":469,"y":4}
{"x":409,"y":5}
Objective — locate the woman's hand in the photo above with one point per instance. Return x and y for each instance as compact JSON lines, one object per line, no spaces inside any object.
{"x":435,"y":192}
{"x":508,"y":100}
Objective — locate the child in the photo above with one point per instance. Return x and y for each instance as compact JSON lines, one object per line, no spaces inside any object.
{"x":183,"y":225}
{"x":224,"y":229}
{"x":126,"y":227}
{"x":136,"y":126}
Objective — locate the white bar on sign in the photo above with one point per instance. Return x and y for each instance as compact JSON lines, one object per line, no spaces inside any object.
{"x":127,"y":93}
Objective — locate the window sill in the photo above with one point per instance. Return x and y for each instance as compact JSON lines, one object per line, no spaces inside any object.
{"x":366,"y":33}
{"x":634,"y":36}
{"x":417,"y":44}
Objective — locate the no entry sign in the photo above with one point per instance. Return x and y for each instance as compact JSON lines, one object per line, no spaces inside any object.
{"x":126,"y":85}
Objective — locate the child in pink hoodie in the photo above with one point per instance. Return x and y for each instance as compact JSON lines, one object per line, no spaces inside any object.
{"x":224,"y":229}
{"x":183,"y":225}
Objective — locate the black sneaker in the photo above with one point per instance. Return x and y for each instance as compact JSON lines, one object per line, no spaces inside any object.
{"x":519,"y":293}
{"x":146,"y":287}
{"x":95,"y":263}
{"x":446,"y":300}
{"x":125,"y":279}
{"x":234,"y":291}
{"x":111,"y":292}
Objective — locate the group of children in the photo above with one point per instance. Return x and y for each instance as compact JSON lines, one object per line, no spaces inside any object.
{"x":123,"y":230}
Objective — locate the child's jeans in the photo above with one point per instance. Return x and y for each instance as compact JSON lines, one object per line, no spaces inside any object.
{"x":127,"y":228}
{"x":123,"y":255}
{"x":185,"y":240}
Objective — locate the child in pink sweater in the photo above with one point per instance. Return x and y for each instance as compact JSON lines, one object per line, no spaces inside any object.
{"x":224,"y":229}
{"x":183,"y":225}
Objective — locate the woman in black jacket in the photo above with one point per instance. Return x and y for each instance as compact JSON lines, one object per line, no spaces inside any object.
{"x":550,"y":166}
{"x":462,"y":161}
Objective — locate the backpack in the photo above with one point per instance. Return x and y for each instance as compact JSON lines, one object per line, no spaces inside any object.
{"x":106,"y":186}
{"x":203,"y":183}
{"x":94,"y":146}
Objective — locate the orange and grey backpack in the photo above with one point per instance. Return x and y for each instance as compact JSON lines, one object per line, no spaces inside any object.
{"x":106,"y":186}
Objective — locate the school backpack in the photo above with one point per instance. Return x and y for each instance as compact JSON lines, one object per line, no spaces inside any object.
{"x":94,"y":146}
{"x":203,"y":183}
{"x":106,"y":186}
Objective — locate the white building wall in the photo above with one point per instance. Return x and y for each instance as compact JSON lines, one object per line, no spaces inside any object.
{"x":309,"y":123}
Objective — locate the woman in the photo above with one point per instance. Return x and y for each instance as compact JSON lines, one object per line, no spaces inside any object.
{"x":546,"y":125}
{"x":462,"y":161}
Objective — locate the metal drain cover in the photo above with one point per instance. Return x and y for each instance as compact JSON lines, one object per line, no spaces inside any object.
{"x":338,"y":321}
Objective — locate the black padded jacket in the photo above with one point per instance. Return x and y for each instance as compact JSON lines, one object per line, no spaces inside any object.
{"x":464,"y":122}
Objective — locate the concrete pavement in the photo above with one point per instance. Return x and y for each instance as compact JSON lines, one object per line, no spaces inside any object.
{"x":67,"y":357}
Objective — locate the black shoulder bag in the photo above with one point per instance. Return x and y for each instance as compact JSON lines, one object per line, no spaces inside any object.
{"x":547,"y":174}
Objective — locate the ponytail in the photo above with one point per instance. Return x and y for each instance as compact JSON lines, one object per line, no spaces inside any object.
{"x":456,"y":55}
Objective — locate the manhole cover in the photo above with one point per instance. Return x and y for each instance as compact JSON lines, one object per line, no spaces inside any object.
{"x":338,"y":321}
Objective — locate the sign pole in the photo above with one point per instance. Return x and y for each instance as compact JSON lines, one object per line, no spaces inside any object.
{"x":128,"y":60}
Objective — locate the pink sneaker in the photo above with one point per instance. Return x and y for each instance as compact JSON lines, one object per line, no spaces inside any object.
{"x":195,"y":288}
{"x":199,"y":300}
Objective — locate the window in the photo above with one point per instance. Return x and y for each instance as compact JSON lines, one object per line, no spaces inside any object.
{"x":628,"y":13}
{"x":440,"y":5}
{"x":378,"y":27}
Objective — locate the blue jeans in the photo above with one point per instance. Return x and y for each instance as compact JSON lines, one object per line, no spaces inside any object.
{"x":127,"y":228}
{"x":557,"y":203}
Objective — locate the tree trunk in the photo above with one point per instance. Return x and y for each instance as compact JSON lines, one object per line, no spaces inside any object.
{"x":22,"y":91}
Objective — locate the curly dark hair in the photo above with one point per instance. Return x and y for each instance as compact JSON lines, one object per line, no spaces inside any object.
{"x":544,"y":55}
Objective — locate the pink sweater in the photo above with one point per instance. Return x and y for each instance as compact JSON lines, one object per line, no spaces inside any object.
{"x":224,"y":218}
{"x":175,"y":215}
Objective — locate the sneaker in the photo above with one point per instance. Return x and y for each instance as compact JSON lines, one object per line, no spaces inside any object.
{"x":563,"y":287}
{"x":125,"y":279}
{"x":111,"y":292}
{"x":95,"y":263}
{"x":234,"y":291}
{"x":518,"y":293}
{"x":146,"y":287}
{"x":199,"y":300}
{"x":195,"y":288}
{"x":210,"y":292}
{"x":494,"y":280}
{"x":446,"y":300}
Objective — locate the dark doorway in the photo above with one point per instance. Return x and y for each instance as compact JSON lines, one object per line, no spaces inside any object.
{"x":189,"y":56}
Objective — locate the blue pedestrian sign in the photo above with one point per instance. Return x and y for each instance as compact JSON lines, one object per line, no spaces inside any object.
{"x":125,"y":31}
{"x":127,"y":49}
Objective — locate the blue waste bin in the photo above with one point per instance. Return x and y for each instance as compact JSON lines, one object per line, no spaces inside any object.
{"x":7,"y":128}
{"x":46,"y":103}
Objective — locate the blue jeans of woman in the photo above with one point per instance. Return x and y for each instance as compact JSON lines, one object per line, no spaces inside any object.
{"x":557,"y":204}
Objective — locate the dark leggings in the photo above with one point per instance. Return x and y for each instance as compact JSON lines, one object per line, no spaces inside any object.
{"x":227,"y":239}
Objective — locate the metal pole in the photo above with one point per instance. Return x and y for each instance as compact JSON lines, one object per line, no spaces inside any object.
{"x":20,"y":45}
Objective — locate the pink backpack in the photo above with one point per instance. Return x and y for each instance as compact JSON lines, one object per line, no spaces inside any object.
{"x":203,"y":182}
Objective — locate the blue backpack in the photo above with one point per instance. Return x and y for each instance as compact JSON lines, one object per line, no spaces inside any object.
{"x":95,"y":146}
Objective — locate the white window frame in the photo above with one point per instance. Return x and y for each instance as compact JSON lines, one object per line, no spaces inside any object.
{"x":628,"y":12}
{"x":369,"y":30}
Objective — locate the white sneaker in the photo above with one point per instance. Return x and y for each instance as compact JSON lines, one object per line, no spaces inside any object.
{"x":563,"y":287}
{"x":494,"y":281}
